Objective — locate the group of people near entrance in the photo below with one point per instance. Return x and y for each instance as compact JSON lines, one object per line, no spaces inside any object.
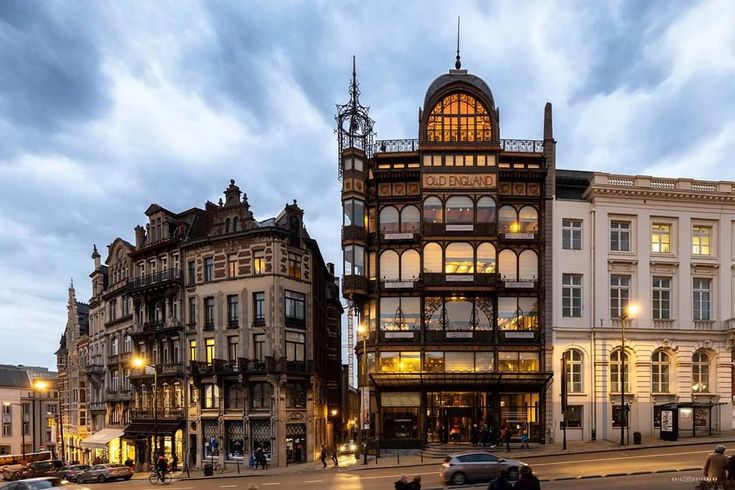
{"x":719,"y":469}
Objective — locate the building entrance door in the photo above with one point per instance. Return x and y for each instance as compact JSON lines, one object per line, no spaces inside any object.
{"x":458,"y":421}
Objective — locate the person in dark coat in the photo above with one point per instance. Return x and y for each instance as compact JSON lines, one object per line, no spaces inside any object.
{"x":505,"y":437}
{"x":323,"y":456}
{"x":527,"y":480}
{"x":415,"y":483}
{"x":335,"y":459}
{"x":402,"y":484}
{"x":731,"y":470}
{"x":474,"y":434}
{"x":501,"y":482}
{"x":484,"y":434}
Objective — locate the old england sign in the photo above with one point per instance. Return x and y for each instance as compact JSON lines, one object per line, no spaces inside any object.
{"x":458,"y":181}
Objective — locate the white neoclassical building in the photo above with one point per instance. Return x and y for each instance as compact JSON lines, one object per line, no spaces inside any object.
{"x":669,"y":246}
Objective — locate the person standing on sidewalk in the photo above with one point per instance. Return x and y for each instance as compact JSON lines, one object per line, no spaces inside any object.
{"x":505,"y":437}
{"x":715,"y":466}
{"x":323,"y":456}
{"x":474,"y":433}
{"x":335,"y":459}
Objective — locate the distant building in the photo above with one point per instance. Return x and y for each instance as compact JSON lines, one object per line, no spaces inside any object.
{"x":667,"y":245}
{"x":71,"y":361}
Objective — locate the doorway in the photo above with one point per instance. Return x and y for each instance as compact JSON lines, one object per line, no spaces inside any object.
{"x":458,"y":421}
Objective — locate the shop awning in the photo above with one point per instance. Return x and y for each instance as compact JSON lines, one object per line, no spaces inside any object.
{"x":479,"y":381}
{"x":144,"y":429}
{"x":101,"y":438}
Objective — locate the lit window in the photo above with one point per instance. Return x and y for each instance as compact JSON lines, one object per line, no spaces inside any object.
{"x":485,"y":263}
{"x":458,"y":118}
{"x":507,"y":220}
{"x":459,"y":258}
{"x":258,"y":262}
{"x":700,"y":372}
{"x":701,"y":240}
{"x":660,"y":238}
{"x":232,"y":266}
{"x":209,"y":347}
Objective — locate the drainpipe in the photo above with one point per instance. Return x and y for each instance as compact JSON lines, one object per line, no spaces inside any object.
{"x":593,"y":296}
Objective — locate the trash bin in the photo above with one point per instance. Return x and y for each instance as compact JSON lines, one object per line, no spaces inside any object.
{"x":636,"y":437}
{"x":208,"y":469}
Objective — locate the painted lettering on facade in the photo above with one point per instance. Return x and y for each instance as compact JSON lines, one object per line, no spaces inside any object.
{"x":461,"y":181}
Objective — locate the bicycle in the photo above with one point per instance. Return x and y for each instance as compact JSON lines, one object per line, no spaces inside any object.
{"x":157,"y":479}
{"x":217,"y":467}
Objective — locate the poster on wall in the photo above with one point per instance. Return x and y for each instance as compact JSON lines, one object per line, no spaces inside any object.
{"x":667,"y":421}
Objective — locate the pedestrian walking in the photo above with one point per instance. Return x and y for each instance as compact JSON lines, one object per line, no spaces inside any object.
{"x":501,"y":482}
{"x":260,"y":458}
{"x":527,"y":480}
{"x":715,"y":466}
{"x":505,"y":437}
{"x":335,"y":459}
{"x":175,"y":463}
{"x":524,"y":440}
{"x":323,"y":456}
{"x":474,"y":435}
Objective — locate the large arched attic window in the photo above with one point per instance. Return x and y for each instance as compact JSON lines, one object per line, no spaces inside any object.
{"x":458,"y":118}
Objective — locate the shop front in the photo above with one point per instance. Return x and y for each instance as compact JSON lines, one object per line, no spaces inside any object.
{"x":415,"y":408}
{"x":109,"y":446}
{"x":139,"y":439}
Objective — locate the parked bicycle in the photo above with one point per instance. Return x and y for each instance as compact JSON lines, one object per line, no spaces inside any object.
{"x":217,"y":467}
{"x":155,"y":478}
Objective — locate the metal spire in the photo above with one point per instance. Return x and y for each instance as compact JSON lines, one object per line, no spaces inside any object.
{"x":457,"y":63}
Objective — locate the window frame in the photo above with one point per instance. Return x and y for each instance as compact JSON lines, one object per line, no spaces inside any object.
{"x":572,"y":292}
{"x":620,"y":235}
{"x":661,"y":298}
{"x":571,"y":234}
{"x":702,"y":299}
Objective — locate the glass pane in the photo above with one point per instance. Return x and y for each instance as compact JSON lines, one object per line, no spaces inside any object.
{"x":508,"y":266}
{"x":389,"y":314}
{"x":388,"y":362}
{"x":411,"y":313}
{"x":528,"y":266}
{"x":410,"y":219}
{"x":484,"y":361}
{"x":486,"y":210}
{"x":507,"y":309}
{"x":410,"y":362}
{"x":459,"y":314}
{"x":528,"y":218}
{"x":432,"y":210}
{"x":389,"y":220}
{"x":459,"y":361}
{"x":459,"y":259}
{"x":434,"y":362}
{"x":507,"y":220}
{"x":508,"y":361}
{"x":410,"y":265}
{"x":485,"y":259}
{"x":389,"y":266}
{"x":433,"y":258}
{"x":459,"y":209}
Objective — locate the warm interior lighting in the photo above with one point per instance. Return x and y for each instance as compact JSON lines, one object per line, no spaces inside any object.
{"x":515,"y":227}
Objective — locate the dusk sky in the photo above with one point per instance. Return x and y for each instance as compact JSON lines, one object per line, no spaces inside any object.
{"x":109,"y":106}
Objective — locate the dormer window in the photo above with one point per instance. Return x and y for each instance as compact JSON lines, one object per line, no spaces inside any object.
{"x":458,"y":117}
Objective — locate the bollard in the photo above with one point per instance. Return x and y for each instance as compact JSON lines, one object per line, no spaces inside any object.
{"x":421,"y":455}
{"x":398,"y":459}
{"x":238,"y":466}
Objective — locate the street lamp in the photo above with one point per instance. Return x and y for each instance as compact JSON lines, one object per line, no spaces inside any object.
{"x":22,"y":427}
{"x":630,"y":311}
{"x":139,"y":362}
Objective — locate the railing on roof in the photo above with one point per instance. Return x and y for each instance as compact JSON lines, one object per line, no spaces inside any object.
{"x":507,"y":145}
{"x":663,"y":183}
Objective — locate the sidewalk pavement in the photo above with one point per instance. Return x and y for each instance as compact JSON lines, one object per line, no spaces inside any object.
{"x":405,"y":460}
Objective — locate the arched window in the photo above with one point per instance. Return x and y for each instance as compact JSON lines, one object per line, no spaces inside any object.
{"x":507,"y":222}
{"x":389,"y":220}
{"x":235,"y":224}
{"x":574,"y":371}
{"x":615,"y":366}
{"x":235,"y":396}
{"x":528,"y":266}
{"x":410,"y":265}
{"x":700,"y":372}
{"x":508,"y":265}
{"x":486,"y":210}
{"x":433,"y":258}
{"x":459,"y":209}
{"x":458,"y":117}
{"x":459,"y":258}
{"x":389,"y":266}
{"x":528,"y":219}
{"x":227,"y":225}
{"x":660,"y":372}
{"x":485,"y":263}
{"x":433,"y":210}
{"x":410,"y":219}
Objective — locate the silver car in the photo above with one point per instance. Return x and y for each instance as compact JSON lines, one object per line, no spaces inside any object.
{"x":104,"y":472}
{"x":43,"y":483}
{"x":459,"y":469}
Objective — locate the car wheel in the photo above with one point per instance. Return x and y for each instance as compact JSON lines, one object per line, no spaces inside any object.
{"x":101,"y":478}
{"x":459,"y":478}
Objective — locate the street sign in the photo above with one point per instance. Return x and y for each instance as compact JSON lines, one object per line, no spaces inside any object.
{"x":213,"y":442}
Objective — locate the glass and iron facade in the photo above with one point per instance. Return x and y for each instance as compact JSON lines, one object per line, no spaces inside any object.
{"x":444,"y":267}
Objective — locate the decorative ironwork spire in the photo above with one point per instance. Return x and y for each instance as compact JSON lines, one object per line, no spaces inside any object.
{"x":458,"y":62}
{"x":354,"y":126}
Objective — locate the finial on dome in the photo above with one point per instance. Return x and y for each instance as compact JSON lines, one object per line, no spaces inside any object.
{"x":458,"y":63}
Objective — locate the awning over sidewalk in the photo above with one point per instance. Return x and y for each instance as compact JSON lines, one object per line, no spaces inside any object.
{"x":495,"y":380}
{"x":144,"y":429}
{"x":101,"y":438}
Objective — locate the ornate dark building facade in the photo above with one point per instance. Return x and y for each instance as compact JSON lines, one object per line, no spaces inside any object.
{"x":446,"y":265}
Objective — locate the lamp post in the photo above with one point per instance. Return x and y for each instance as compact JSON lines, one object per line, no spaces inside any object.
{"x":362,"y":330}
{"x":39,"y":386}
{"x":630,"y":311}
{"x":22,"y":427}
{"x":139,"y":362}
{"x":564,"y":400}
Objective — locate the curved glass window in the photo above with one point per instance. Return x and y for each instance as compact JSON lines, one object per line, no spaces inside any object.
{"x":354,"y":260}
{"x":700,"y":372}
{"x":459,"y":314}
{"x":389,"y":268}
{"x":410,"y":219}
{"x":508,"y":265}
{"x":389,"y":220}
{"x":432,"y":210}
{"x":410,"y":265}
{"x":458,"y":117}
{"x":486,"y":210}
{"x":433,"y":257}
{"x":528,"y":266}
{"x":485,"y":263}
{"x":507,"y":220}
{"x":434,"y":313}
{"x":528,"y":219}
{"x":459,"y":209}
{"x":459,"y":259}
{"x":660,"y":372}
{"x":353,"y":213}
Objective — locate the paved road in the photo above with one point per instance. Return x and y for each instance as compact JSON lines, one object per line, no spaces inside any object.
{"x":551,"y":467}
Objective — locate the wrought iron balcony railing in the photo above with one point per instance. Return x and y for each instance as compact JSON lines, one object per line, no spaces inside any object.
{"x":412,"y":144}
{"x":164,"y":413}
{"x":162,"y":278}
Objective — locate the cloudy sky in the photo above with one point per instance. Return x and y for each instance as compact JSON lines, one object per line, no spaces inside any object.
{"x":106,"y":107}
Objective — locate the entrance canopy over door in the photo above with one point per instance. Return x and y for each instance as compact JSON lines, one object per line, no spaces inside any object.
{"x":101,"y":438}
{"x":462,"y":380}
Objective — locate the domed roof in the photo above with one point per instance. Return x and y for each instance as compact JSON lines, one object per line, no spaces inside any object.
{"x":458,"y":76}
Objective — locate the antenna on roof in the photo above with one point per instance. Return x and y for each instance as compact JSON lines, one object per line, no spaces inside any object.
{"x":457,"y":63}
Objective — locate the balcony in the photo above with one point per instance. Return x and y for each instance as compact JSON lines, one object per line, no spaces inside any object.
{"x":354,"y":285}
{"x":412,"y":145}
{"x":167,"y":369}
{"x":96,"y":368}
{"x":354,"y":233}
{"x":163,"y":414}
{"x":438,"y":279}
{"x":155,"y":328}
{"x":119,"y":395}
{"x":96,"y":407}
{"x":163,"y":279}
{"x":113,"y":360}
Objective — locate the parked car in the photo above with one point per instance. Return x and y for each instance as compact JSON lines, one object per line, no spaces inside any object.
{"x":38,"y":469}
{"x":104,"y":472}
{"x":13,"y":472}
{"x":459,"y":469}
{"x":42,"y":484}
{"x":348,"y":447}
{"x":71,"y":472}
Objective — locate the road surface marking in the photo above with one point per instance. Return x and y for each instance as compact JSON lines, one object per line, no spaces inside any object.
{"x":277,"y":483}
{"x":620,"y":458}
{"x":313,"y":481}
{"x":228,"y":486}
